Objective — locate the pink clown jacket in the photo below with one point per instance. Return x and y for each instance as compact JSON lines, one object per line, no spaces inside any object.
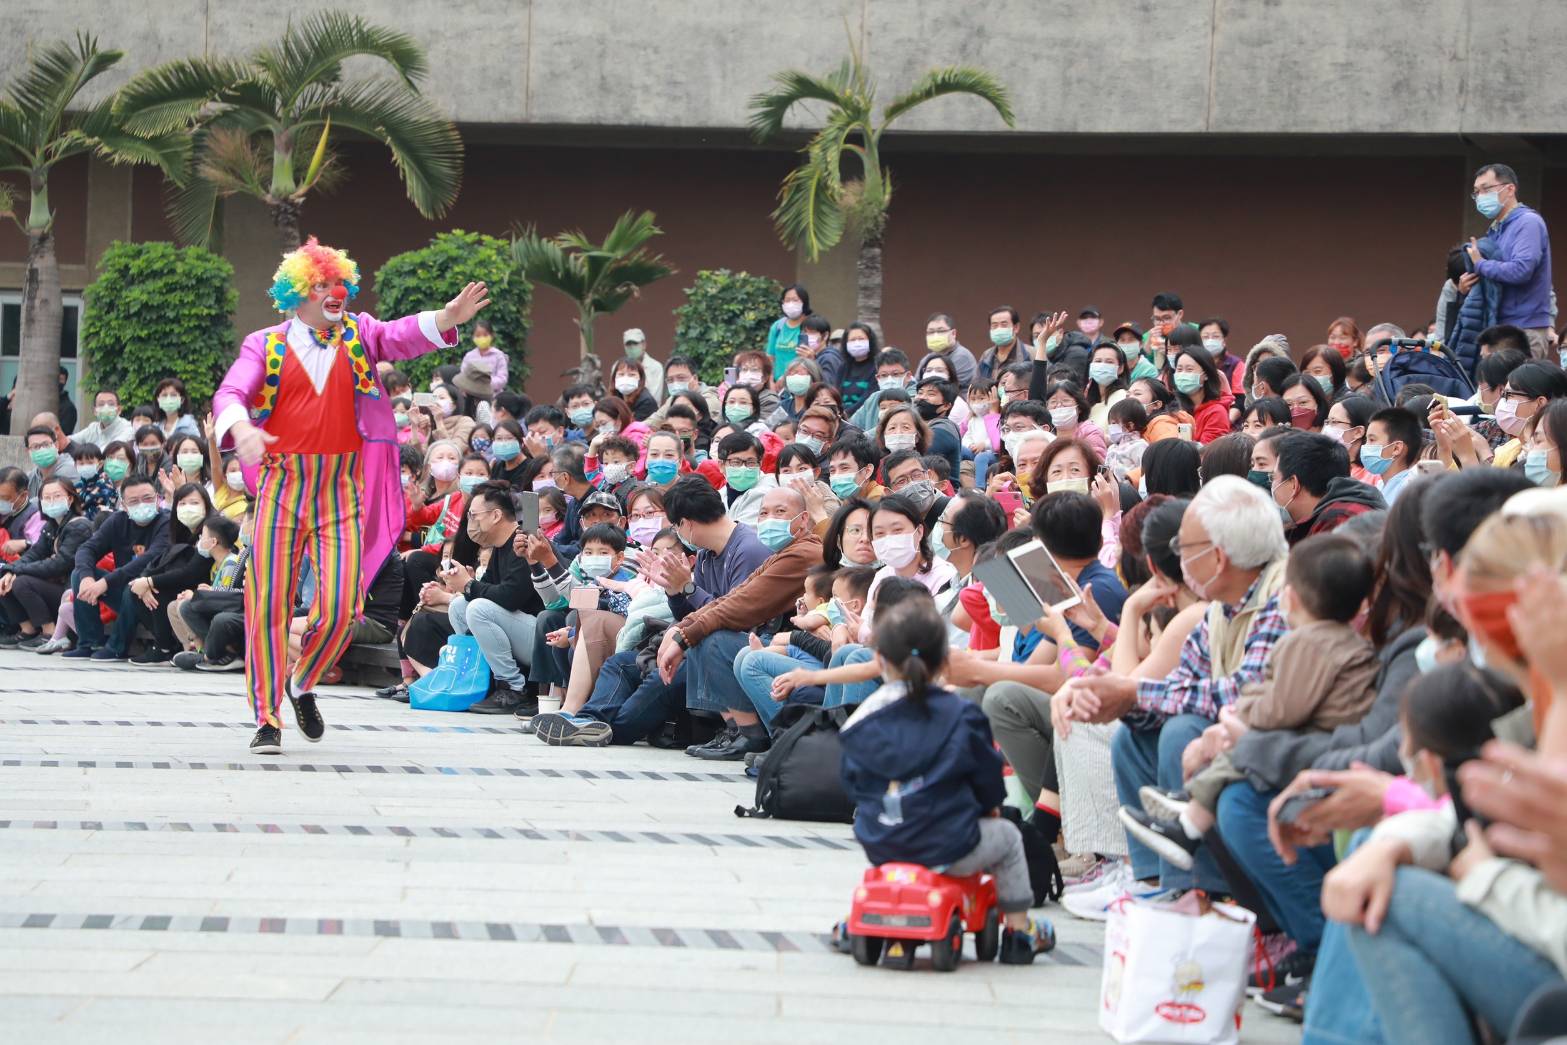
{"x":383,"y":495}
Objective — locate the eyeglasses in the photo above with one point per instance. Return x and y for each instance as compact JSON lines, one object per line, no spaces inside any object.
{"x":1481,"y":190}
{"x":1175,"y":545}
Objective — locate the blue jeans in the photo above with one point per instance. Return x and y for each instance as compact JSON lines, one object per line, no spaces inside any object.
{"x":982,"y":465}
{"x":756,"y":668}
{"x":634,"y":705}
{"x":1143,"y":757}
{"x":1436,"y":962}
{"x":89,"y":626}
{"x":1293,"y":894}
{"x":1338,"y":1009}
{"x":840,"y":693}
{"x":711,"y":671}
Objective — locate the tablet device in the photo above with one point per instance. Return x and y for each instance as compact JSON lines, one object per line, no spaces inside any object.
{"x":1044,"y":575}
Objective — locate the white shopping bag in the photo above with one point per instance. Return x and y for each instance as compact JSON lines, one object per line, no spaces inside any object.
{"x":1175,"y":972}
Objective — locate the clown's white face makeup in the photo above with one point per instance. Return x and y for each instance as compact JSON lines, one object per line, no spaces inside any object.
{"x":325,"y":305}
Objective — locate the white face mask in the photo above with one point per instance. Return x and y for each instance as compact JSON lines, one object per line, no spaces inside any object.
{"x":889,"y":382}
{"x":896,"y":550}
{"x":625,"y":384}
{"x":900,"y":441}
{"x":1063,"y":416}
{"x":1014,"y":441}
{"x":793,"y":309}
{"x":857,"y":348}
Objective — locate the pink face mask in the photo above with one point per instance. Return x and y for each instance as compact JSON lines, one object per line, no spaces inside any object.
{"x":443,"y":471}
{"x":1507,"y":418}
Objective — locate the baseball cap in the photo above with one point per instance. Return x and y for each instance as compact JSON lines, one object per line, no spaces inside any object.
{"x":601,"y":499}
{"x":1131,"y":328}
{"x":633,"y":336}
{"x":1091,"y":310}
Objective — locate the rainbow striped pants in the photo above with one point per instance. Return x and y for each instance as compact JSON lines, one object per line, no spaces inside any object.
{"x":306,"y":505}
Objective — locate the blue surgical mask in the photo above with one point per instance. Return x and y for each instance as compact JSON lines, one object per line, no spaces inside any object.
{"x":1188,"y":383}
{"x":676,"y":387}
{"x":1102,"y":373}
{"x":469,"y":483}
{"x":774,"y":533}
{"x":582,"y":416}
{"x":1372,"y":460}
{"x":142,"y":514}
{"x":595,"y":565}
{"x":505,"y":449}
{"x":810,"y":442}
{"x":833,"y":614}
{"x":662,"y":472}
{"x":1326,"y":381}
{"x":1537,"y":470}
{"x":7,"y":507}
{"x":1489,"y":204}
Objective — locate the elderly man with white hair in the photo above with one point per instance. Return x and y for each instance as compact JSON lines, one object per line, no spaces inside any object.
{"x":1232,"y":549}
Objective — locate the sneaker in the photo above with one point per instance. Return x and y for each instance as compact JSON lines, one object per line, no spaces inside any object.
{"x":1078,"y":868}
{"x":1094,"y":905}
{"x":722,"y":739}
{"x":502,"y":701}
{"x":188,"y":660}
{"x":561,"y":730}
{"x":152,"y":658}
{"x":79,"y":653}
{"x":1020,"y":946}
{"x":1108,"y":869}
{"x":267,"y":741}
{"x":1163,"y":805}
{"x":1165,"y":837}
{"x":33,"y":643}
{"x":398,"y":693}
{"x":11,"y":640}
{"x":1281,"y":964}
{"x":306,"y":715}
{"x":225,"y":664}
{"x":1287,"y":1000}
{"x":740,"y":744}
{"x":842,"y":942}
{"x":108,"y":654}
{"x":525,"y":711}
{"x":53,"y":646}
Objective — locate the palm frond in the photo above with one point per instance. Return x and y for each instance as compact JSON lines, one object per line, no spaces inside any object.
{"x":192,"y":211}
{"x":626,"y":277}
{"x":314,"y":49}
{"x":769,"y":108}
{"x":15,"y":148}
{"x":809,"y":213}
{"x":100,"y":129}
{"x":7,"y":201}
{"x":234,"y":162}
{"x":51,"y":82}
{"x":425,"y":146}
{"x":630,"y":232}
{"x":958,"y":79}
{"x":545,"y":263}
{"x":172,"y":95}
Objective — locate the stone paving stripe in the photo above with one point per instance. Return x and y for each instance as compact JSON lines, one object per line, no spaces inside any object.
{"x":309,"y":767}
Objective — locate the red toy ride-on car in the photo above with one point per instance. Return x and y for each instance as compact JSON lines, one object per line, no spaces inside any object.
{"x":900,"y":906}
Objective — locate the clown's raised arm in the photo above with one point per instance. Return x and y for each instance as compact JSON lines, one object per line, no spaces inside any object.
{"x":312,"y":287}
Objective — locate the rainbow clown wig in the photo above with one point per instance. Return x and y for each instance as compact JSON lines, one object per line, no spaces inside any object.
{"x":307,"y":266}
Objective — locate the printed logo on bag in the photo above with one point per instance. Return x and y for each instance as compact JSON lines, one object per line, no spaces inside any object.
{"x":1187,"y":984}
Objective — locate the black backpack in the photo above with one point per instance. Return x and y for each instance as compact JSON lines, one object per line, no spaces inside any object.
{"x":1044,"y":871}
{"x":799,"y":779}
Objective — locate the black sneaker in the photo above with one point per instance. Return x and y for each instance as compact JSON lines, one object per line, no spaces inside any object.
{"x":723,"y":738}
{"x":1165,"y":837}
{"x":11,"y":640}
{"x":502,"y":701}
{"x":743,"y":740}
{"x":307,"y":716}
{"x":1293,"y":970}
{"x":187,"y":660}
{"x":526,"y":711}
{"x":1021,"y":946}
{"x":33,"y":642}
{"x":267,"y":741}
{"x":222,"y":664}
{"x":1163,"y":805}
{"x":1288,"y":1000}
{"x":561,"y":730}
{"x":152,"y":658}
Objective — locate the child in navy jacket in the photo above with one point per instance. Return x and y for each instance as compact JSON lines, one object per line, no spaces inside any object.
{"x":922,"y":769}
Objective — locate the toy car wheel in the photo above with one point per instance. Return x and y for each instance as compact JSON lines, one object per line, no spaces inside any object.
{"x":866,"y":949}
{"x":899,"y":954}
{"x":946,"y":952}
{"x":987,"y":942}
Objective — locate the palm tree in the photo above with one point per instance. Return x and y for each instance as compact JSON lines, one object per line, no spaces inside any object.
{"x":41,"y":125}
{"x":256,"y":118}
{"x":815,"y":202}
{"x":597,"y":277}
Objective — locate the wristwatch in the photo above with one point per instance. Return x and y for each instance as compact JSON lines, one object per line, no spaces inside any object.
{"x":680,"y":639}
{"x":689,"y":589}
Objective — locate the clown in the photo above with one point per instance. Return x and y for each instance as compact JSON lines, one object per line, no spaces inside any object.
{"x":304,"y":410}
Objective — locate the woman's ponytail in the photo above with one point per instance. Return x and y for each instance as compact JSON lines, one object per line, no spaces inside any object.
{"x":912,"y":638}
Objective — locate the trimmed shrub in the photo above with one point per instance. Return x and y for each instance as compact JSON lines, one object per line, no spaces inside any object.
{"x":724,"y":313}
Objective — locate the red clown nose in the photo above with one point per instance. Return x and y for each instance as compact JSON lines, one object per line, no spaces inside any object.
{"x":338,"y":293}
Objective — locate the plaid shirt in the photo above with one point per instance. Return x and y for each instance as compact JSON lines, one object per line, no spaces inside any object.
{"x":1190,"y":689}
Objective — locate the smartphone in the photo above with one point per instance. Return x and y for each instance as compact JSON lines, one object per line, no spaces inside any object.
{"x":1184,"y":432}
{"x":528,"y":511}
{"x":731,"y":375}
{"x":425,"y":399}
{"x":1295,"y":805}
{"x":1010,"y":501}
{"x":585,"y":597}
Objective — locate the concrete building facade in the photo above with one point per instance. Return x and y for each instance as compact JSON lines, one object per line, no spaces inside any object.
{"x":1277,"y":163}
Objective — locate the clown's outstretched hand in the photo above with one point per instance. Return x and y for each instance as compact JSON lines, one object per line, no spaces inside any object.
{"x":463,"y":307}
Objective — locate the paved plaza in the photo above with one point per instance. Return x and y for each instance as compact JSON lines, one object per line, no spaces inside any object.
{"x":434,"y":877}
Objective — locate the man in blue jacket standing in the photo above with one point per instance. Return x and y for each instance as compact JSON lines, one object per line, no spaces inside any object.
{"x":1522,"y":265}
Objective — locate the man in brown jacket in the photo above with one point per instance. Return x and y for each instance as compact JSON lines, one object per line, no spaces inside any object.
{"x":715,"y":633}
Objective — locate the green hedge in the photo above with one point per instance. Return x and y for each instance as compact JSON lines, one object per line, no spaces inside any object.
{"x":724,"y":312}
{"x":156,"y":311}
{"x":429,"y":277}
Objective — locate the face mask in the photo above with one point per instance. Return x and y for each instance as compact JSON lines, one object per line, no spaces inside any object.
{"x":86,"y":471}
{"x":751,"y":378}
{"x":1334,"y":432}
{"x":142,"y":514}
{"x":1115,"y":433}
{"x":402,"y":420}
{"x":1063,"y":416}
{"x":469,"y":483}
{"x":545,"y":484}
{"x":1507,"y":418}
{"x":810,"y":442}
{"x":106,"y":415}
{"x":813,"y":341}
{"x":607,"y":428}
{"x":408,"y":480}
{"x":997,"y":614}
{"x":676,"y":387}
{"x":1274,"y":492}
{"x":793,"y":309}
{"x":926,"y":409}
{"x":896,"y":550}
{"x":475,"y":531}
{"x":581,"y":416}
{"x":1188,"y":383}
{"x":797,"y":383}
{"x":1260,"y":479}
{"x":190,"y":464}
{"x":644,"y":530}
{"x":1373,"y":461}
{"x":7,"y":507}
{"x":922,"y":492}
{"x":1536,"y":469}
{"x":858,"y":349}
{"x":896,"y":441}
{"x":1476,"y":653}
{"x":1001,"y":336}
{"x":116,"y":469}
{"x":1425,"y":654}
{"x":1130,"y":349}
{"x":1303,"y":419}
{"x":634,"y":352}
{"x":1325,"y":381}
{"x":235,"y":481}
{"x":616,"y":473}
{"x":444,"y":407}
{"x":938,"y":342}
{"x":190,"y":514}
{"x":204,"y":548}
{"x":1013,"y":441}
{"x":595,"y":565}
{"x":938,"y":540}
{"x":625,"y":384}
{"x":1214,"y":346}
{"x":662,"y":472}
{"x":742,"y":477}
{"x":1078,"y":485}
{"x":483,"y":340}
{"x":774,"y":533}
{"x":169,"y":404}
{"x":1102,"y":373}
{"x":844,"y":484}
{"x":443,"y":471}
{"x":737,"y":415}
{"x":887,"y":384}
{"x":1489,"y":204}
{"x":505,"y":449}
{"x":479,"y":446}
{"x":44,"y":456}
{"x":831,"y":612}
{"x":55,"y":509}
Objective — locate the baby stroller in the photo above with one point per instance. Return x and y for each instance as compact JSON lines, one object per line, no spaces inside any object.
{"x":1423,"y":363}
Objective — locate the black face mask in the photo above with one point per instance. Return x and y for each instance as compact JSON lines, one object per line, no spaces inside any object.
{"x":927,"y":409}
